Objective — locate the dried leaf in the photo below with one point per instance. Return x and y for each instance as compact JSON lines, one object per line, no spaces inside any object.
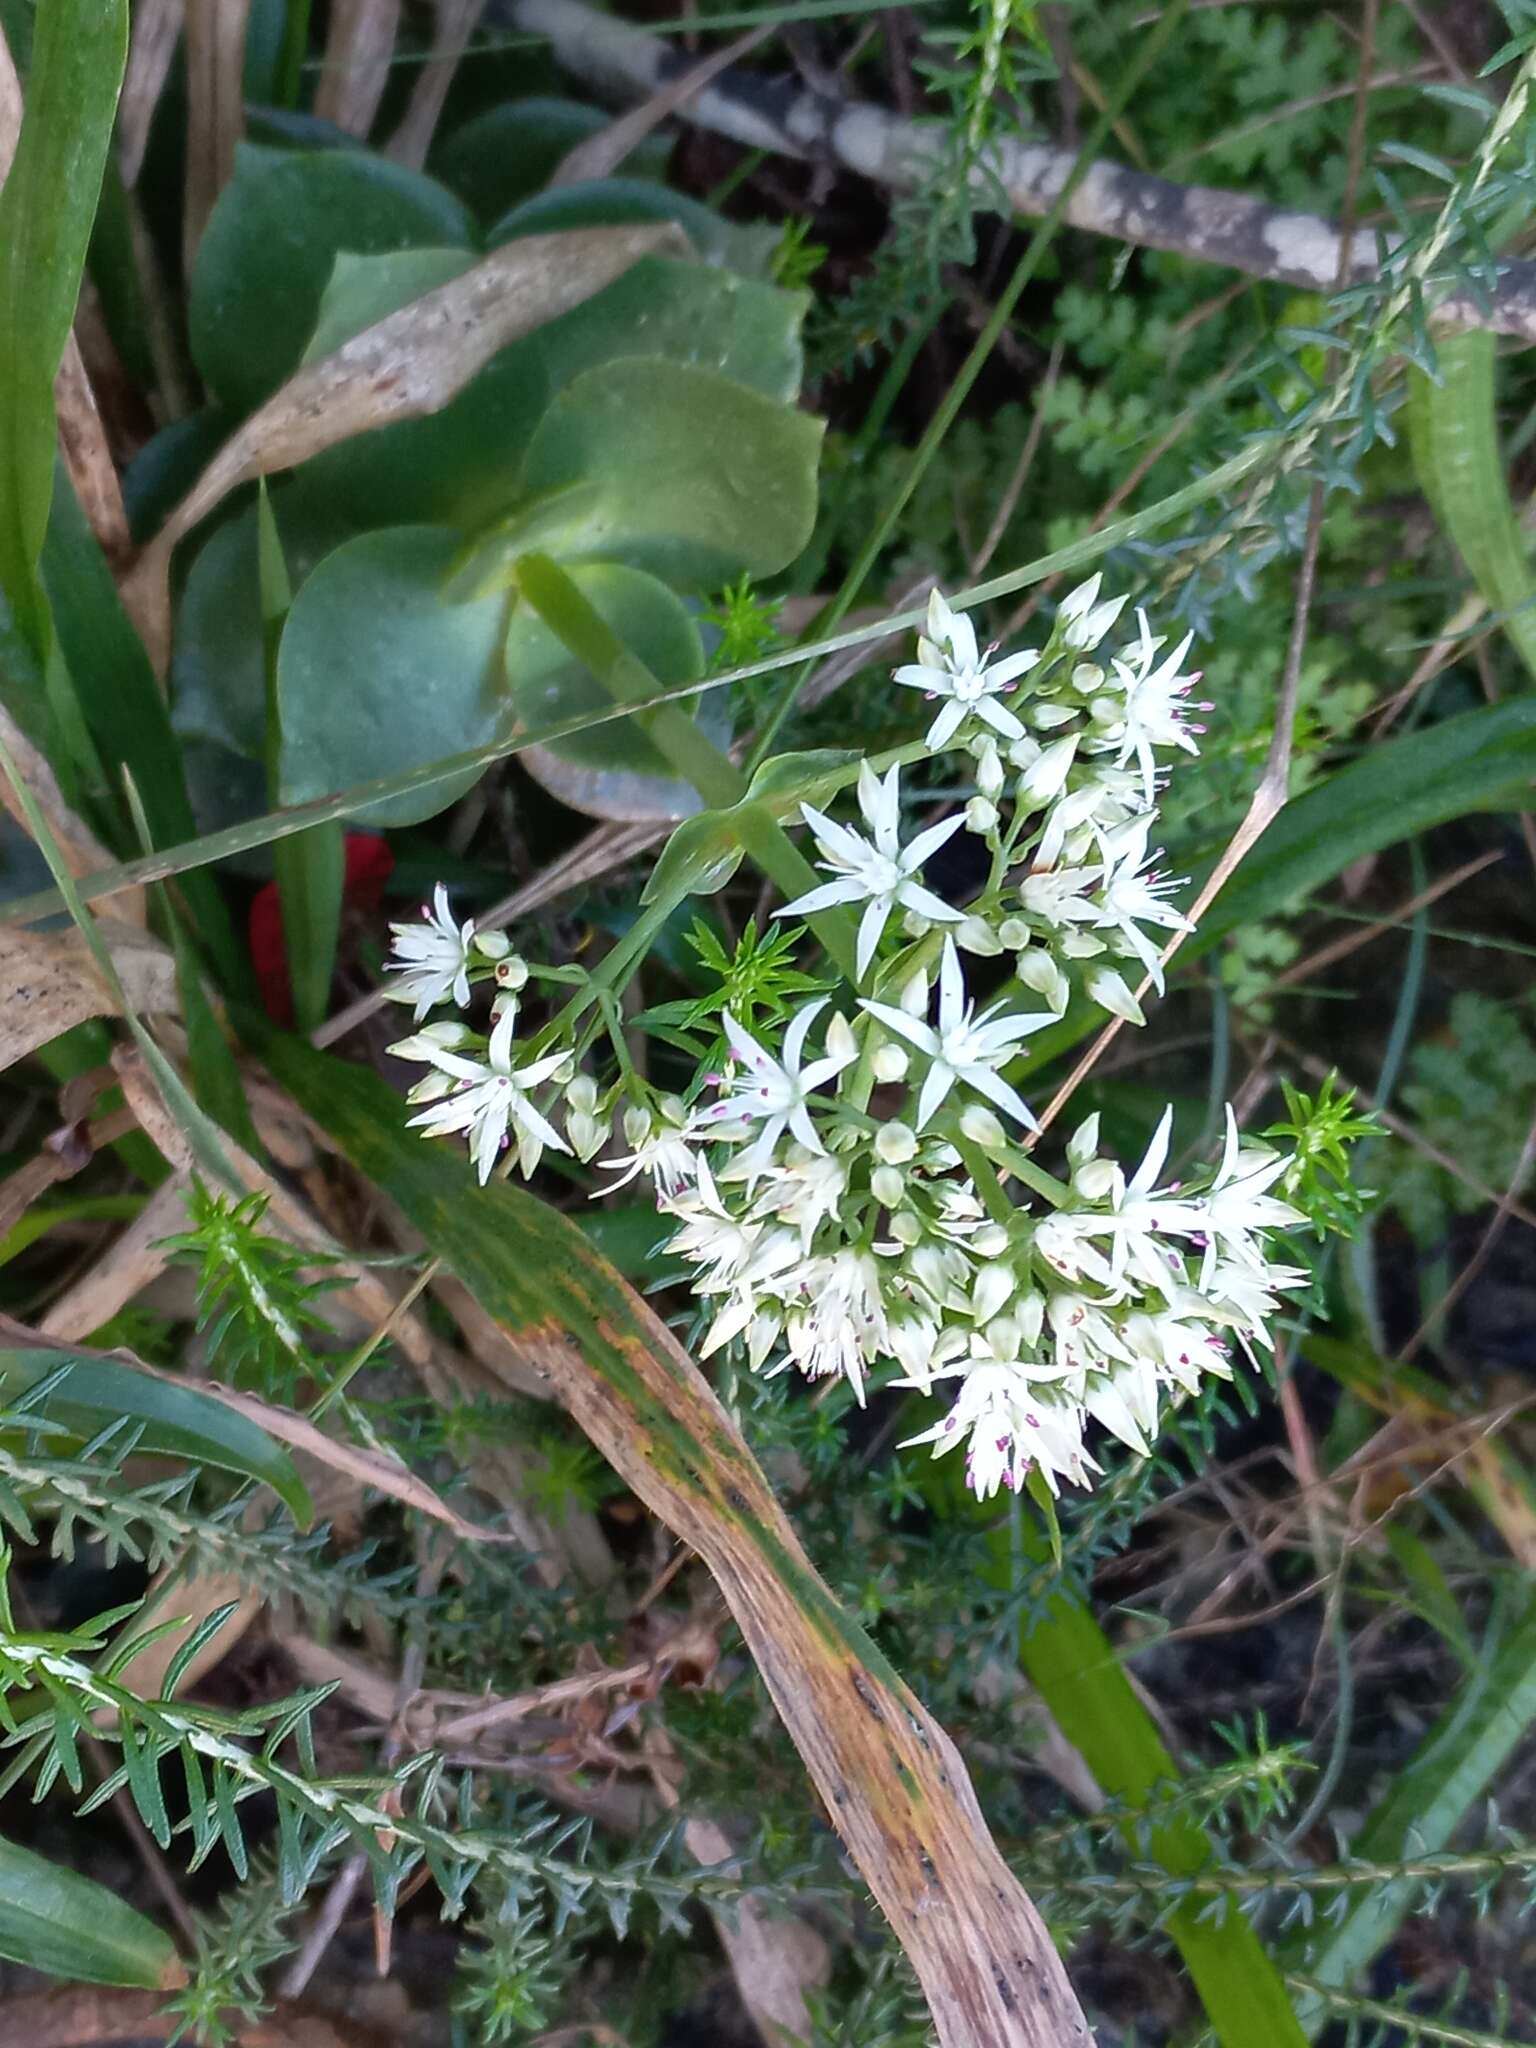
{"x":892,"y":1780}
{"x":215,"y":43}
{"x":600,"y":155}
{"x":81,"y":848}
{"x":152,"y":44}
{"x":409,"y":364}
{"x":83,"y":445}
{"x":357,"y":60}
{"x":49,"y":983}
{"x":134,"y":1258}
{"x":450,"y":37}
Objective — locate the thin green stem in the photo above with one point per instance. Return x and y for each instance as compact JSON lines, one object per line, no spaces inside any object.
{"x":948,"y":411}
{"x":581,"y":628}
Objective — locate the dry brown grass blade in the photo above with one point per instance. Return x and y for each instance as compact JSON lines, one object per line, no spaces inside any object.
{"x":49,"y":983}
{"x":454,"y":26}
{"x":412,"y":363}
{"x":357,"y":60}
{"x":215,"y":45}
{"x":134,"y":1258}
{"x":88,"y":459}
{"x":151,"y":47}
{"x":600,"y":155}
{"x":82,"y":850}
{"x":891,"y":1778}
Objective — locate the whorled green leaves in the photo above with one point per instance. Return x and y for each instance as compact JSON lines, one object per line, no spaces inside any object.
{"x":376,"y":670}
{"x":271,"y":240}
{"x":647,"y":439}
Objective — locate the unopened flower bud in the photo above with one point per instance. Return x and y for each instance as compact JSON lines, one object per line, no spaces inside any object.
{"x":637,"y":1126}
{"x":990,"y":1241}
{"x":581,"y":1096}
{"x":431,"y":1087}
{"x":586,"y":1132}
{"x":1038,"y":971}
{"x":914,"y":995}
{"x":895,"y":1144}
{"x":1014,"y":934}
{"x":1045,"y":717}
{"x":1080,"y":945}
{"x":1044,"y":776}
{"x":990,"y":775}
{"x":841,"y":1043}
{"x":512,"y":972}
{"x":888,"y":1186}
{"x":1113,"y":993}
{"x":1094,"y":1179}
{"x":1030,"y":1315}
{"x":982,"y":1128}
{"x":1004,"y":1336}
{"x":889,"y":1063}
{"x":1084,"y":1141}
{"x":907,"y":1228}
{"x":493,"y":945}
{"x":980,"y":815}
{"x":994,"y":1286}
{"x":974,"y":935}
{"x":448,"y":1033}
{"x":1087,"y":677}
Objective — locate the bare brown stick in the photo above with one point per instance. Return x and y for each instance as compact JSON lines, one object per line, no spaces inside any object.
{"x":1227,"y":228}
{"x":1351,"y":942}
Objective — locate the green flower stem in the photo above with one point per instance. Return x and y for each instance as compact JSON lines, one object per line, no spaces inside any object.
{"x":984,"y":1174}
{"x":1150,"y":50}
{"x":585,"y":633}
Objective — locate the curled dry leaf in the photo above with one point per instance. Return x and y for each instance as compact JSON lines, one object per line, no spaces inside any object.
{"x":600,"y":155}
{"x":82,"y":850}
{"x":411,"y":363}
{"x":892,"y":1780}
{"x":49,"y":983}
{"x":152,"y":41}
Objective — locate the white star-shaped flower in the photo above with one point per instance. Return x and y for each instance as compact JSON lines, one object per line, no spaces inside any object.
{"x":1086,"y":620}
{"x":1237,"y":1206}
{"x":950,"y":665}
{"x":877,"y":871}
{"x":433,"y":961}
{"x":773,"y":1093}
{"x":1154,"y":711}
{"x":492,"y":1100}
{"x":1132,"y":895}
{"x":963,"y":1046}
{"x":1008,"y":1426}
{"x":661,"y":1149}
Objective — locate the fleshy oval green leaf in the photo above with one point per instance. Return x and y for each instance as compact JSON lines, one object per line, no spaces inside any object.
{"x":613,"y":771}
{"x":271,"y":240}
{"x":377,"y":673}
{"x":682,"y":472}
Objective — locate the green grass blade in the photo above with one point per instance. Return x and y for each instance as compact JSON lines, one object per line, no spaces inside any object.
{"x":1477,"y":761}
{"x":176,"y":1421}
{"x":889,"y":1773}
{"x":69,"y":1926}
{"x":46,"y":209}
{"x":311,"y":866}
{"x":1077,"y":1672}
{"x":125,"y":712}
{"x":1453,"y":432}
{"x":236,"y":839}
{"x":1452,"y":1769}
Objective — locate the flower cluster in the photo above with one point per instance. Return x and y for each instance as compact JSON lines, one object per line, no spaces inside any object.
{"x":849,"y":1180}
